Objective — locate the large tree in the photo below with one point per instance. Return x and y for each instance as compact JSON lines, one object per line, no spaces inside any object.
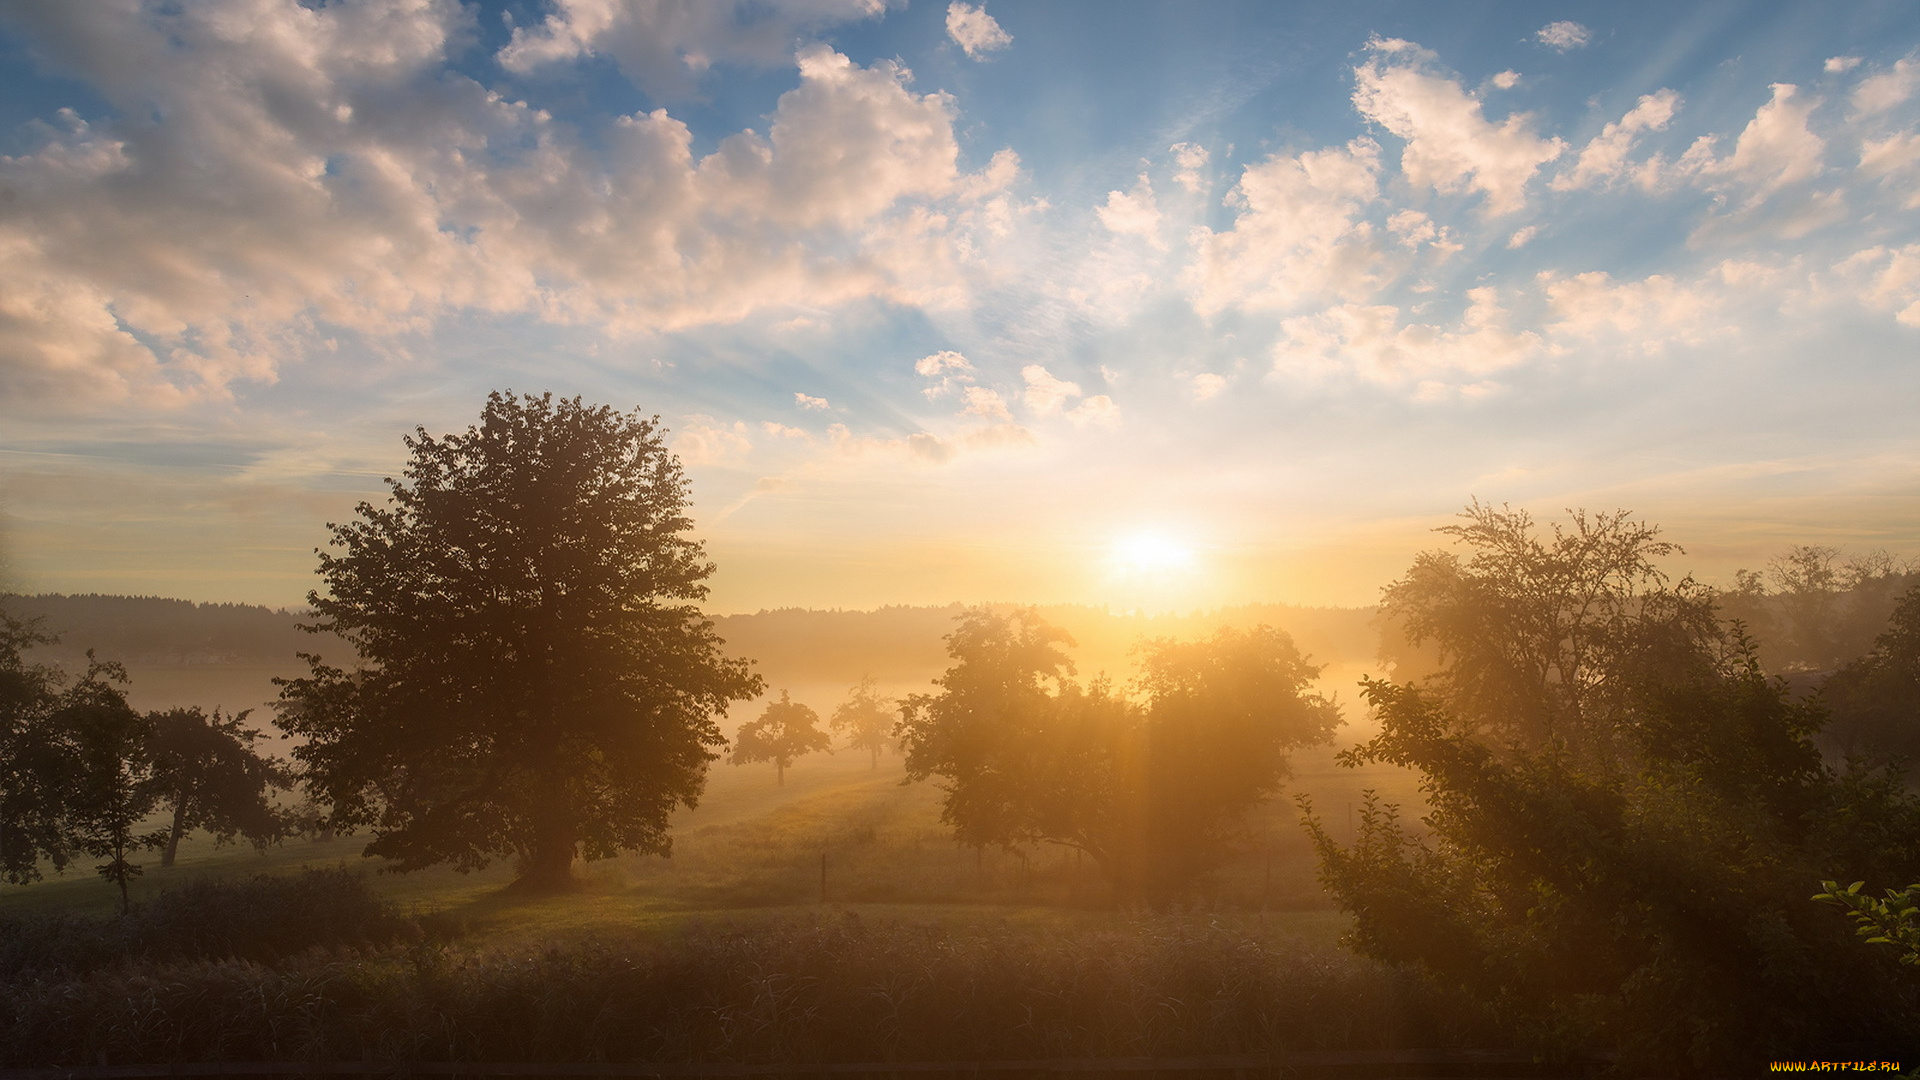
{"x":866,"y":718}
{"x":1624,"y":815}
{"x":535,"y":675}
{"x":1152,"y":787}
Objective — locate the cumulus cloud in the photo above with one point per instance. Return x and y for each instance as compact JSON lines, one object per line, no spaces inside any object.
{"x":1299,"y":233}
{"x":1887,"y":89}
{"x":665,"y":45}
{"x":1098,"y":411}
{"x":1564,"y":35}
{"x":1643,"y":316}
{"x":1775,"y":150}
{"x":949,"y":368}
{"x":807,"y":401}
{"x":277,"y":174}
{"x":1604,"y":160}
{"x":1506,"y":80}
{"x":1895,"y":162}
{"x":1837,"y":65}
{"x":1045,"y":393}
{"x":1522,"y":237}
{"x":1450,"y":144}
{"x":1133,"y":213}
{"x":976,"y":32}
{"x":1890,"y":278}
{"x":1370,"y":342}
{"x":1190,"y":158}
{"x":984,"y":402}
{"x":702,"y":440}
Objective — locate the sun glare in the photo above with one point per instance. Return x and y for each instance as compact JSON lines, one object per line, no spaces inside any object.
{"x":1151,"y":553}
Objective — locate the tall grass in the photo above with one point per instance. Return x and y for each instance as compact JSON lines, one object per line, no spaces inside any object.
{"x":822,"y":989}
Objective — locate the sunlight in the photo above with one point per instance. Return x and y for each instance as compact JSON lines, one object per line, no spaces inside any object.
{"x":1151,"y":553}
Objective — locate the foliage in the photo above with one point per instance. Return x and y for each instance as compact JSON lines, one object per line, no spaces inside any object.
{"x":115,"y":791}
{"x":786,"y":994}
{"x":536,"y":677}
{"x":207,"y":775}
{"x":261,"y":919}
{"x":1876,"y":698}
{"x":1893,"y":921}
{"x":1152,"y":791}
{"x":785,"y":731}
{"x":1814,"y":608}
{"x":1621,"y":811}
{"x":39,"y":765}
{"x":866,"y":718}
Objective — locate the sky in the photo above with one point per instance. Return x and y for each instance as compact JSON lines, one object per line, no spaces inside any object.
{"x":1162,"y":305}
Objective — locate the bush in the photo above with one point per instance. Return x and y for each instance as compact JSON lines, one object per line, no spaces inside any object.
{"x":262,"y":920}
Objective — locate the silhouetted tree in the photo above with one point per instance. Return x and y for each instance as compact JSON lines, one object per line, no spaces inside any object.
{"x":1624,"y":814}
{"x":866,"y":718}
{"x":786,"y":731}
{"x":1152,"y":791}
{"x":207,"y":775}
{"x":115,"y":791}
{"x":39,"y":765}
{"x":1876,"y":698}
{"x":537,"y":678}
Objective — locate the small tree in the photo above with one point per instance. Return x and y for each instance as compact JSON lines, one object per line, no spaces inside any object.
{"x":207,"y":775}
{"x":866,"y":718}
{"x":116,"y":790}
{"x":536,"y":677}
{"x":39,"y":764}
{"x":786,"y":731}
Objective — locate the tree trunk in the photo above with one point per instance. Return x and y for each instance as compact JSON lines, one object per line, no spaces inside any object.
{"x":549,"y":866}
{"x":173,"y":834}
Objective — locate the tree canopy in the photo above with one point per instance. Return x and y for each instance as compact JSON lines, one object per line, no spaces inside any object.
{"x":1625,"y":814}
{"x":535,"y":677}
{"x":1151,"y":789}
{"x":39,"y":764}
{"x":787,"y":730}
{"x":208,"y":775}
{"x":866,"y":718}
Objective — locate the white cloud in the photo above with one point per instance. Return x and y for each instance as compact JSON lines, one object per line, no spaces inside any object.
{"x":1207,"y":385}
{"x":1133,"y":213}
{"x":665,"y":45}
{"x":1880,"y":92}
{"x":1891,"y":279}
{"x":1522,"y":237}
{"x":702,"y":440}
{"x":807,"y":401}
{"x":1046,"y":394}
{"x":945,"y":362}
{"x":1837,"y":65}
{"x":1776,"y":149}
{"x":1415,"y":228}
{"x":1191,"y":159}
{"x":1604,"y":160}
{"x":1371,"y":343}
{"x":1298,"y":234}
{"x":1097,"y":411}
{"x":984,"y":402}
{"x":310,"y":171}
{"x":1563,"y":35}
{"x":975,"y":31}
{"x":1895,"y":162}
{"x":1643,"y":316}
{"x":1451,"y":146}
{"x":1506,"y":80}
{"x":786,"y":431}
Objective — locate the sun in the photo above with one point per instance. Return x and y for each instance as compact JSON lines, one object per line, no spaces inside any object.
{"x":1151,"y":553}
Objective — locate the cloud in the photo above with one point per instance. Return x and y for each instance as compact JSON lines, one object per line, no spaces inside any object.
{"x":702,"y":440}
{"x":949,"y":367}
{"x":1415,"y":228}
{"x":1836,"y":65}
{"x":1191,"y":158}
{"x":664,"y":46}
{"x":1133,"y":213}
{"x":1776,"y":149}
{"x":984,"y":402}
{"x":1891,"y":278}
{"x":1207,"y":386}
{"x":1046,"y":394}
{"x":1522,"y":237}
{"x":1298,"y":233}
{"x":1643,"y":316}
{"x":1895,"y":162}
{"x":1879,"y":92}
{"x":1506,"y":80}
{"x":1097,"y":411}
{"x":273,"y":177}
{"x":1450,"y":145}
{"x":1604,"y":160}
{"x":975,"y":31}
{"x":808,"y":402}
{"x":1369,"y":342}
{"x":1564,"y":36}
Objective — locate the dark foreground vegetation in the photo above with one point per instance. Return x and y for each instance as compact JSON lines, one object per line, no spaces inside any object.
{"x":317,"y":968}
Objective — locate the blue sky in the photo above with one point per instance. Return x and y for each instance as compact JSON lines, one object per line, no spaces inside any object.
{"x":957,"y":302}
